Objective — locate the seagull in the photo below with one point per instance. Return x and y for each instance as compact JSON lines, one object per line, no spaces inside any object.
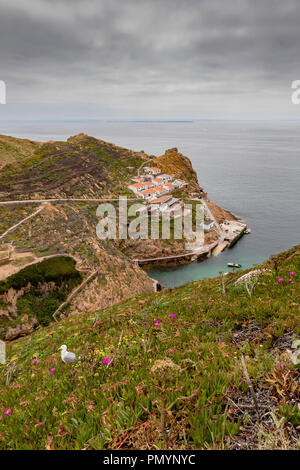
{"x":66,"y":356}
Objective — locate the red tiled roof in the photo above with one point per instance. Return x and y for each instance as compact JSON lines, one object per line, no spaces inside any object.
{"x":137,"y":185}
{"x":161,"y":199}
{"x":152,"y":191}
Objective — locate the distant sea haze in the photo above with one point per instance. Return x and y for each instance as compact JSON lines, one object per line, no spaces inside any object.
{"x":249,"y":168}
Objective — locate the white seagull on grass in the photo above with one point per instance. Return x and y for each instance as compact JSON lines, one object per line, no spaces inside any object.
{"x":67,"y":356}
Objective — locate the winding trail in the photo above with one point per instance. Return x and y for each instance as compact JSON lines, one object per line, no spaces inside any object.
{"x":76,"y":291}
{"x":11,"y":229}
{"x":10,"y":269}
{"x":40,"y":201}
{"x":141,"y":166}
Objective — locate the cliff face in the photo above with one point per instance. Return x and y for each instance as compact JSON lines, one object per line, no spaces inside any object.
{"x":180,"y":166}
{"x":62,"y":229}
{"x":82,"y":167}
{"x":85,"y":168}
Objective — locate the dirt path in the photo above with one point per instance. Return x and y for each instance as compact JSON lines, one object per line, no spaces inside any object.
{"x":9,"y":269}
{"x":11,"y":229}
{"x":40,"y":201}
{"x":141,"y":166}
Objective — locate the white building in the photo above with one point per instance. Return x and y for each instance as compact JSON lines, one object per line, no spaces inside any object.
{"x":153,"y":192}
{"x":169,"y":186}
{"x":166,"y":178}
{"x":152,"y":170}
{"x":157,"y":181}
{"x":178,"y":184}
{"x":137,"y":187}
{"x":208,"y":225}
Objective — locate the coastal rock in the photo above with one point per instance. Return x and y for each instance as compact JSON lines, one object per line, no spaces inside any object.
{"x":26,"y":327}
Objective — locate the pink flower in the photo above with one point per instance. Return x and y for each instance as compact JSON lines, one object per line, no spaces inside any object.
{"x":106,"y":360}
{"x":292,"y":273}
{"x":156,"y":323}
{"x":190,"y":306}
{"x":90,"y":407}
{"x":105,"y":332}
{"x":94,"y":325}
{"x":280,"y":280}
{"x":172,"y":315}
{"x":7,"y":412}
{"x":52,"y":371}
{"x":35,"y":361}
{"x":290,"y":280}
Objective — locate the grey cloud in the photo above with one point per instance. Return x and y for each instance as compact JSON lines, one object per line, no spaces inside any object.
{"x":131,"y":56}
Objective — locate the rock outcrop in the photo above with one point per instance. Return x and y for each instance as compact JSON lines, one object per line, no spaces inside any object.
{"x":24,"y":328}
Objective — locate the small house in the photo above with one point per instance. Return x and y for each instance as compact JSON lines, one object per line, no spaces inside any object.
{"x":166,"y":178}
{"x":152,"y":170}
{"x":153,"y":192}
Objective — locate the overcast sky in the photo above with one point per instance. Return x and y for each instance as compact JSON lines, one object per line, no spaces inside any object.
{"x":149,"y":59}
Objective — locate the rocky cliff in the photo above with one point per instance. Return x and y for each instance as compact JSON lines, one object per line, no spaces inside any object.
{"x":82,"y":168}
{"x":59,"y":230}
{"x":180,"y":166}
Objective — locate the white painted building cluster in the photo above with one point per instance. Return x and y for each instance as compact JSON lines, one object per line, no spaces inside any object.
{"x":152,"y":184}
{"x":156,"y":188}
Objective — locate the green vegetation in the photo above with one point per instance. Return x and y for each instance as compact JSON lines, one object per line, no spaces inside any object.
{"x":81,"y":166}
{"x":45,"y":286}
{"x":34,"y":303}
{"x":10,"y":216}
{"x":56,"y":269}
{"x":14,"y":151}
{"x":163,"y":371}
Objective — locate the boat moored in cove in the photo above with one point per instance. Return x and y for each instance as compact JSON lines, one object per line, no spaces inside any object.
{"x":234,"y":265}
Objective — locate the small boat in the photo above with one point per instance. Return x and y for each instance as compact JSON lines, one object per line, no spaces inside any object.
{"x":248,"y":230}
{"x":234,"y":265}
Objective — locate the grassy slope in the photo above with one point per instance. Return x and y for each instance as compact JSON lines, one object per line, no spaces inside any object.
{"x":90,"y":405}
{"x":80,"y":167}
{"x":14,"y":151}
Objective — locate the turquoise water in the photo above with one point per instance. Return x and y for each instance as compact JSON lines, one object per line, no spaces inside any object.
{"x":250,"y":168}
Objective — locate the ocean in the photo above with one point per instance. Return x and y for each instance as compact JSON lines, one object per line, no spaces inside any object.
{"x":250,"y":168}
